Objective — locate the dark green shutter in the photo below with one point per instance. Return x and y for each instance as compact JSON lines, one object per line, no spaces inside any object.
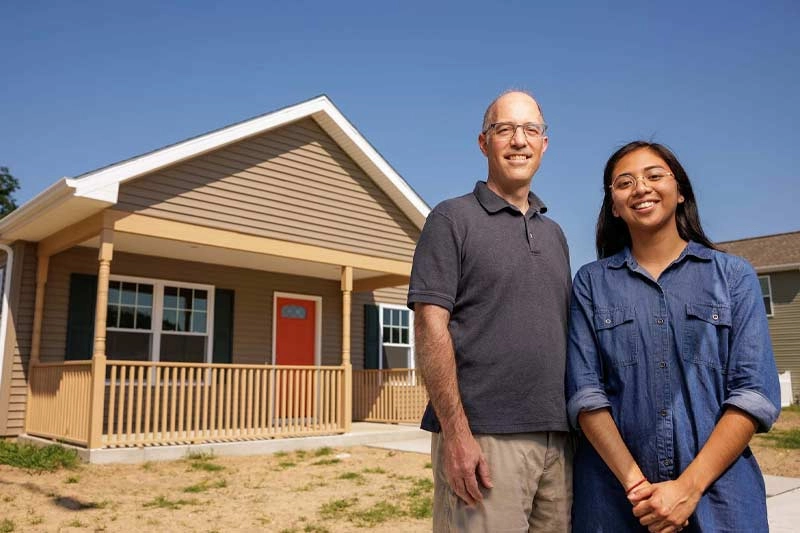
{"x":80,"y":318}
{"x":223,"y":326}
{"x":371,"y":336}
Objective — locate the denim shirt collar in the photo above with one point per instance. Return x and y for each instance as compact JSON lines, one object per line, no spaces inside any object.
{"x":493,"y":203}
{"x":625,"y":257}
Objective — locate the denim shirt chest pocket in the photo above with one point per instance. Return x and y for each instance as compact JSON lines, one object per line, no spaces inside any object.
{"x":706,"y":334}
{"x":616,"y":334}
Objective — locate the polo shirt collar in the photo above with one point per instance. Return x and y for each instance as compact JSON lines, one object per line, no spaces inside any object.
{"x":493,"y":203}
{"x":693,"y":249}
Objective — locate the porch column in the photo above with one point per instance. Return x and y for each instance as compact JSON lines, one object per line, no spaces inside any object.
{"x":99,"y":350}
{"x":347,"y":290}
{"x":42,"y":268}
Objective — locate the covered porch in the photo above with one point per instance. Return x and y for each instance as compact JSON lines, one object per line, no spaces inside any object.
{"x":110,"y":403}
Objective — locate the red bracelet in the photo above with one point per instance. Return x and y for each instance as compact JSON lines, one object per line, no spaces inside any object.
{"x":636,"y":485}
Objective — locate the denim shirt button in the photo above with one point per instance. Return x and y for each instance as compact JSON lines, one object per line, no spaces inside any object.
{"x":662,"y":364}
{"x":661,"y":321}
{"x":715,"y":316}
{"x":608,"y":321}
{"x":663,"y":413}
{"x":667,"y":462}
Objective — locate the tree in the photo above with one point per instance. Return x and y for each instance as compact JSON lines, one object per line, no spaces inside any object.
{"x":8,"y":185}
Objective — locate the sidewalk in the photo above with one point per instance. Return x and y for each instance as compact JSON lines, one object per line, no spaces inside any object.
{"x":783,"y":493}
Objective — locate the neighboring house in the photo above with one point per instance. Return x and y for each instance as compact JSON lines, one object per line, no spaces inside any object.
{"x":231,"y":286}
{"x":776,"y":259}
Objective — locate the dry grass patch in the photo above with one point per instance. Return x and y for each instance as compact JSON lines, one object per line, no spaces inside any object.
{"x":326,"y":490}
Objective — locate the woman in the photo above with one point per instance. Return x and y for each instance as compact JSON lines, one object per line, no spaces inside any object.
{"x":670,"y":368}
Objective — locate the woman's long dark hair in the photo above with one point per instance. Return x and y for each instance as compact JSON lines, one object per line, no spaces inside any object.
{"x":612,"y":232}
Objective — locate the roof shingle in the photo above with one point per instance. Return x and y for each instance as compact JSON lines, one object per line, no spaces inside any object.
{"x":768,"y":250}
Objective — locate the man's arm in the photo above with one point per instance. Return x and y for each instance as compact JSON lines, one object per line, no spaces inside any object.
{"x":463,"y":462}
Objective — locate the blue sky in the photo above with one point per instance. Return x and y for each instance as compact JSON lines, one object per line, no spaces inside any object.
{"x":90,"y":83}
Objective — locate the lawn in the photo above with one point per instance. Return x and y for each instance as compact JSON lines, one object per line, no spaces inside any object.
{"x":325,"y":490}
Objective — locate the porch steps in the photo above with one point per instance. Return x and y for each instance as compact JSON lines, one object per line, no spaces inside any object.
{"x":362,"y":433}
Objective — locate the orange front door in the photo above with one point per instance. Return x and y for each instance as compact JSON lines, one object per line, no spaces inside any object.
{"x":295,"y":331}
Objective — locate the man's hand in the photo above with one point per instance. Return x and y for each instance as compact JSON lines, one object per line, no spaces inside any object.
{"x":667,"y":506}
{"x":465,"y":467}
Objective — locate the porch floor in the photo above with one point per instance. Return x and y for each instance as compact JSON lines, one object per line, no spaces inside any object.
{"x":403,"y":436}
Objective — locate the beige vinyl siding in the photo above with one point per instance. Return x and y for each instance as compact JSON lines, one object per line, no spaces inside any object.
{"x":389,"y":295}
{"x":293,"y":184}
{"x":20,"y":328}
{"x":253,"y":295}
{"x":784,"y":325}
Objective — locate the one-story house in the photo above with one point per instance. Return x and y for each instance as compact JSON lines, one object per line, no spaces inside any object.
{"x":776,"y":259}
{"x":246,"y":283}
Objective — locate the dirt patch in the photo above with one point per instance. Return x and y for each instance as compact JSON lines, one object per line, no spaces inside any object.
{"x":318,"y":491}
{"x":340,"y":490}
{"x":778,"y":461}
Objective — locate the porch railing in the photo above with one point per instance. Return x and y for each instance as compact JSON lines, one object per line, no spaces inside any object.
{"x":388,"y":395}
{"x":145,"y":403}
{"x":58,"y":401}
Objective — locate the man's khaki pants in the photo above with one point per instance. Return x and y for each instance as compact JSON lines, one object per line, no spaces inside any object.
{"x":532,"y":478}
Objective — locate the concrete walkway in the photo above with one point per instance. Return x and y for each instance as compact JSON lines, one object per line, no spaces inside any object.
{"x":783,"y":493}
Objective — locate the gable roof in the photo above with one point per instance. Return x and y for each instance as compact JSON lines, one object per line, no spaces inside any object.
{"x":72,"y":199}
{"x":769,"y":253}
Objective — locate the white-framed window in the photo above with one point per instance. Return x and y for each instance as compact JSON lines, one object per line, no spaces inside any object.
{"x":396,"y":325}
{"x":766,"y":293}
{"x":159,"y":320}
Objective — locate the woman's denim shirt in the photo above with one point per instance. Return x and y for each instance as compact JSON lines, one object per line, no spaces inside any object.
{"x":666,"y":357}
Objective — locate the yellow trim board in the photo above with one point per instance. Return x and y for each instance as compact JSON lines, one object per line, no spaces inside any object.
{"x":181,"y":231}
{"x":380,"y":282}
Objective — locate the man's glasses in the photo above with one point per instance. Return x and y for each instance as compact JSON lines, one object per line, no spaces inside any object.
{"x":506,"y":130}
{"x":627,"y":182}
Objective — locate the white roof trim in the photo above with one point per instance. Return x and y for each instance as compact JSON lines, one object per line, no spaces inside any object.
{"x":103,"y":184}
{"x":52,"y":197}
{"x":376,"y":158}
{"x":767,"y":269}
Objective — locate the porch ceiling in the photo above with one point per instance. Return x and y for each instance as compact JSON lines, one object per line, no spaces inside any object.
{"x":186,"y":251}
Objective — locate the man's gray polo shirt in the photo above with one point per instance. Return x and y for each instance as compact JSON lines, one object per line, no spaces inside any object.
{"x":505,"y":279}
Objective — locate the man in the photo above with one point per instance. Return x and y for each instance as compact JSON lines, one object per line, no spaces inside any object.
{"x":490,"y":291}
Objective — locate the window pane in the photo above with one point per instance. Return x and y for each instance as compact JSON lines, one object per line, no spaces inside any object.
{"x":764,"y":281}
{"x":143,"y":318}
{"x":111,"y":316}
{"x":184,"y":298}
{"x":395,"y":357}
{"x":126,"y":314}
{"x":768,"y":306}
{"x":395,"y":336}
{"x":387,"y":334}
{"x":113,"y":292}
{"x":198,"y":321}
{"x":395,"y":317}
{"x":128,"y":294}
{"x":404,"y":336}
{"x":200,"y":300}
{"x":127,"y":345}
{"x":183,"y":349}
{"x":293,"y":311}
{"x":145,"y":297}
{"x":183,"y":320}
{"x":170,"y":298}
{"x":170,"y":320}
{"x":404,"y":318}
{"x":387,"y":316}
